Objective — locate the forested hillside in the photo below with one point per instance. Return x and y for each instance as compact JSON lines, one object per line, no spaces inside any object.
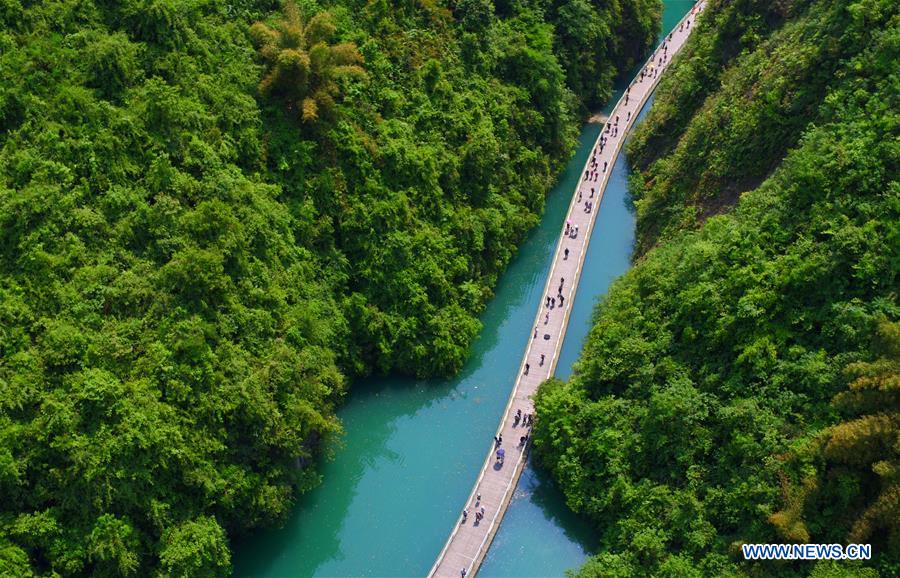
{"x":214,"y":214}
{"x":740,"y":383}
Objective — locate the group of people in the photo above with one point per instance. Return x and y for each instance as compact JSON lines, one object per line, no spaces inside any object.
{"x":479,"y":514}
{"x":526,"y":419}
{"x":591,"y":174}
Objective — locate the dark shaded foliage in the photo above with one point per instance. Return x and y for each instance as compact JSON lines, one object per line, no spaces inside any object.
{"x":711,"y":366}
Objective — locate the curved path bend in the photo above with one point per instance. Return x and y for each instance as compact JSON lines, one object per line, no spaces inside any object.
{"x":469,"y":540}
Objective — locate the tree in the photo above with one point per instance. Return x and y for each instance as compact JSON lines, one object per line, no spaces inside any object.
{"x":195,"y":548}
{"x":302,"y":68}
{"x":870,"y":440}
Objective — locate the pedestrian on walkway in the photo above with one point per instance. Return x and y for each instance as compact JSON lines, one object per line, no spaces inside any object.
{"x":542,"y":360}
{"x":560,"y":300}
{"x":629,"y":116}
{"x":565,"y":258}
{"x":535,"y":332}
{"x":546,"y":319}
{"x":604,"y":168}
{"x":592,"y":189}
{"x":465,"y":515}
{"x":527,"y":367}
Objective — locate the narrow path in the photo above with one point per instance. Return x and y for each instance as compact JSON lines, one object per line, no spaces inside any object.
{"x":470,"y":539}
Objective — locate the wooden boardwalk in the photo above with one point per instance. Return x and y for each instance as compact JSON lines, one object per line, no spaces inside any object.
{"x":469,"y":540}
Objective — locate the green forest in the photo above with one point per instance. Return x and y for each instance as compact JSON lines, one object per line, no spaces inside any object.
{"x":741,"y":383}
{"x":214,"y":215}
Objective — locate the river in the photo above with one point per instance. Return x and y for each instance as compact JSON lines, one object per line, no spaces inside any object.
{"x":412,"y":448}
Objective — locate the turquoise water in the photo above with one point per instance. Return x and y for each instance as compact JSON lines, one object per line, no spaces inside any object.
{"x":412,"y":448}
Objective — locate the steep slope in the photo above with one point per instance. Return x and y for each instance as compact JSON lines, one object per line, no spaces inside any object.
{"x":693,"y":416}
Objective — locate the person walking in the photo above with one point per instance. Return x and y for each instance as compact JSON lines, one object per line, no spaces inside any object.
{"x":535,"y":333}
{"x":465,"y":516}
{"x":560,"y":300}
{"x":565,"y":258}
{"x":542,"y":360}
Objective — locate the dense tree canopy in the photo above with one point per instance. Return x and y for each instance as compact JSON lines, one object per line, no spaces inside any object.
{"x":212,"y":214}
{"x":700,"y":415}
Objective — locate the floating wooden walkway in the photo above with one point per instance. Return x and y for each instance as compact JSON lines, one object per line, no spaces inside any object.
{"x":469,"y":540}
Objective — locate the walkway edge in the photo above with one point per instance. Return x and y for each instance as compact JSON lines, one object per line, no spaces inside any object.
{"x":475,"y":563}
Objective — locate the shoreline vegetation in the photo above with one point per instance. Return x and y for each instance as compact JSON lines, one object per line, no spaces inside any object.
{"x":213,"y":216}
{"x":739,"y":383}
